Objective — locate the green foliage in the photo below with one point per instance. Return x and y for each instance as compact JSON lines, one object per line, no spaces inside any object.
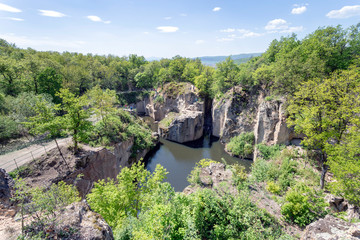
{"x":201,"y":215}
{"x":194,"y":176}
{"x":273,"y":187}
{"x":303,"y":205}
{"x":159,"y":99}
{"x":269,"y":152}
{"x":128,"y":195}
{"x":238,"y":174}
{"x":166,"y":122}
{"x":344,"y":164}
{"x":121,"y":126}
{"x":325,"y":110}
{"x":242,"y":145}
{"x":43,"y":205}
{"x":8,"y":129}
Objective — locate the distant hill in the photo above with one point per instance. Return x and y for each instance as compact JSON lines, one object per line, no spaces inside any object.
{"x":239,"y":58}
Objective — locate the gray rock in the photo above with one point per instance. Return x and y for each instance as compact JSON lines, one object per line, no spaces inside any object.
{"x":188,"y":126}
{"x":89,"y":225}
{"x":332,"y":228}
{"x":6,"y":187}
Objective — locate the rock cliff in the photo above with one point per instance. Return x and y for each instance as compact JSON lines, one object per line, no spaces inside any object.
{"x":234,"y":113}
{"x":181,"y":110}
{"x":243,"y":111}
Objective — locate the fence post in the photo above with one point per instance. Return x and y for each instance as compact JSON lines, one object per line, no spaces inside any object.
{"x":16,"y":165}
{"x":32,"y":155}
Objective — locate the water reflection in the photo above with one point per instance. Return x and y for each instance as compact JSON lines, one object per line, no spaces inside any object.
{"x":179,"y":159}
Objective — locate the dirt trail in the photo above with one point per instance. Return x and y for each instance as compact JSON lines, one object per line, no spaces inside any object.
{"x":27,"y":154}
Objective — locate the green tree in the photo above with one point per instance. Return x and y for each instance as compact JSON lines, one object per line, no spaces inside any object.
{"x":324,"y":110}
{"x":49,"y":82}
{"x":75,"y":120}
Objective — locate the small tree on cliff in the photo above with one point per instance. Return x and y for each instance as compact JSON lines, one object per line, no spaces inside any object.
{"x":74,"y":121}
{"x":325,"y":110}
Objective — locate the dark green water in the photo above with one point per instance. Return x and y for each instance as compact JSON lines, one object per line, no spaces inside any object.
{"x":180,"y":159}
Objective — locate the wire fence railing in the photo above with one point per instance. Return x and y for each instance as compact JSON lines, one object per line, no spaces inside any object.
{"x":18,"y":161}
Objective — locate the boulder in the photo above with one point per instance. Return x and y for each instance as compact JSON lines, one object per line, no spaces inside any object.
{"x":339,"y":204}
{"x":185,"y":127}
{"x":6,"y":187}
{"x":331,"y":228}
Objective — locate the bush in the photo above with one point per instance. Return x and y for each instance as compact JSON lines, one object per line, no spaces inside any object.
{"x":260,"y":170}
{"x":273,"y":188}
{"x":303,"y":205}
{"x":242,"y":145}
{"x":269,"y":152}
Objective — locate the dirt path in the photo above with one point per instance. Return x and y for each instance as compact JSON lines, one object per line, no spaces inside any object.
{"x":27,"y":154}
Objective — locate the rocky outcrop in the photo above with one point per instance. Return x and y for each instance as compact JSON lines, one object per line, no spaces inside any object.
{"x":234,"y":113}
{"x":243,"y":111}
{"x":339,"y":204}
{"x":180,"y":106}
{"x":213,"y":176}
{"x":271,"y":127}
{"x":102,"y":164}
{"x":174,"y":97}
{"x":188,"y":126}
{"x":6,"y":187}
{"x":332,"y":228}
{"x":76,"y":221}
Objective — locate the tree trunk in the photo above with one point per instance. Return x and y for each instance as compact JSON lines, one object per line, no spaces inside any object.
{"x":61,"y":154}
{"x":324,"y":168}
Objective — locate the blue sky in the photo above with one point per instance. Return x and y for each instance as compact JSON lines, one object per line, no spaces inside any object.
{"x":165,"y":28}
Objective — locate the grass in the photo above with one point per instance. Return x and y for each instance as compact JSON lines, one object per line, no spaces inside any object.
{"x":166,"y":122}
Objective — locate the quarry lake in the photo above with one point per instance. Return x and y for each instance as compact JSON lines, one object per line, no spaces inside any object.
{"x":180,"y":159}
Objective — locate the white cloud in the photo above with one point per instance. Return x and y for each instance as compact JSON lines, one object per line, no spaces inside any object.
{"x":97,"y":19}
{"x":345,"y":12}
{"x":281,"y":26}
{"x":298,"y":10}
{"x":7,"y":8}
{"x":14,"y":19}
{"x":24,"y":41}
{"x":225,"y":39}
{"x":276,"y":24}
{"x":167,"y":29}
{"x":167,"y":18}
{"x":199,"y":41}
{"x":183,"y":15}
{"x":228,"y":30}
{"x":50,"y":13}
{"x":146,"y":33}
{"x":216,"y":9}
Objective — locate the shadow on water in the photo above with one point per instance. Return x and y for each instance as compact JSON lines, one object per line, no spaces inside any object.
{"x":180,"y":159}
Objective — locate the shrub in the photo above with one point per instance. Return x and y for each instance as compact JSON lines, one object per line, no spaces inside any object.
{"x":260,"y":170}
{"x":242,"y":145}
{"x":273,"y":188}
{"x":159,"y":99}
{"x":303,"y":205}
{"x":269,"y":152}
{"x":238,"y":174}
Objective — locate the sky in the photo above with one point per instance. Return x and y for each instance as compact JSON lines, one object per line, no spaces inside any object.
{"x":165,"y":28}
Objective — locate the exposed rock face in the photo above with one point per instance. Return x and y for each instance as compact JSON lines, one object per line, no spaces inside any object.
{"x":88,"y":225}
{"x":242,"y":111}
{"x":182,"y":100}
{"x":234,"y":113}
{"x":6,"y":187}
{"x":188,"y":126}
{"x":176,"y":98}
{"x":271,"y":127}
{"x":103,"y":164}
{"x":339,"y":204}
{"x":212,"y":177}
{"x":331,"y":228}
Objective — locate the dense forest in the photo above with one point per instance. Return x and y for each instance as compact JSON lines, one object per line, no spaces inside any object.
{"x":318,"y":75}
